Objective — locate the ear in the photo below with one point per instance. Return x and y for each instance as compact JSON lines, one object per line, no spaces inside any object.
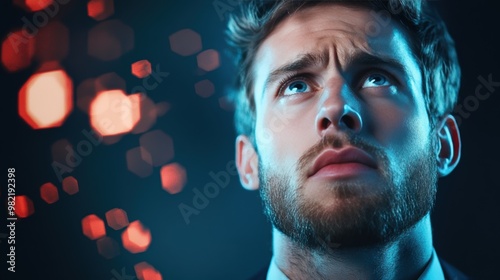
{"x":449,"y":145}
{"x":247,"y":162}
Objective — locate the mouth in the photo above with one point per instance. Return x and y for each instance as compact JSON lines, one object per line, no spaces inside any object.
{"x":347,"y":162}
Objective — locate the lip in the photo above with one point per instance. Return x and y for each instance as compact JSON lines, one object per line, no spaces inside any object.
{"x":348,"y":161}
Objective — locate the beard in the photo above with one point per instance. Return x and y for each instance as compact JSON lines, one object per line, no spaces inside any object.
{"x":353,"y":218}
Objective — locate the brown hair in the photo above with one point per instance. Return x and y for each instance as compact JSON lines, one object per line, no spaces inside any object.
{"x":430,"y":40}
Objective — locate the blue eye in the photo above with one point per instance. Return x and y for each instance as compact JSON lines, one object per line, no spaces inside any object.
{"x":376,"y":80}
{"x":297,"y":86}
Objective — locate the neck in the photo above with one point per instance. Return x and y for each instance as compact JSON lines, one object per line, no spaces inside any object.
{"x":404,"y":258}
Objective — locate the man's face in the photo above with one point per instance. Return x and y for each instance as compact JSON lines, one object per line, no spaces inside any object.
{"x":345,"y":148}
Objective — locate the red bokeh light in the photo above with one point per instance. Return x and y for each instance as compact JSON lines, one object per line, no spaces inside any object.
{"x":117,"y":218}
{"x":18,"y":50}
{"x":173,"y":178}
{"x":185,"y":42}
{"x":24,"y":206}
{"x":139,"y":162}
{"x":110,"y":81}
{"x":85,"y":92}
{"x":52,"y":42}
{"x":49,"y":193}
{"x":93,"y":227}
{"x":148,"y":115}
{"x":208,"y":60}
{"x":70,"y":185}
{"x":108,"y":247}
{"x":141,"y":69}
{"x":46,"y":99}
{"x":162,"y":108}
{"x":144,"y":271}
{"x":37,"y":5}
{"x":59,"y":150}
{"x":136,"y":238}
{"x":204,"y":88}
{"x":100,"y":9}
{"x":112,"y":112}
{"x":159,"y":145}
{"x":110,"y":39}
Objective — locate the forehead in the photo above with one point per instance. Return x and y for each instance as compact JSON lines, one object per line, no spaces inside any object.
{"x":336,"y":31}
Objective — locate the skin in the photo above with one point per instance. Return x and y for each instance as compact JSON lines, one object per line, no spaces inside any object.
{"x":379,"y":101}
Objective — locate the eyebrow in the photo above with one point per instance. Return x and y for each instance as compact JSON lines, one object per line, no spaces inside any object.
{"x":309,"y":60}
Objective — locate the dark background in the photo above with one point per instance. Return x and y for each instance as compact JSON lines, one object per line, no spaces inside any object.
{"x":230,"y":238}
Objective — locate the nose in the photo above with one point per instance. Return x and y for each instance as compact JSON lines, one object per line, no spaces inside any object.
{"x":338,"y":112}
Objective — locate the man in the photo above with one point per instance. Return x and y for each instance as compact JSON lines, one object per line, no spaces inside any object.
{"x":343,"y":111}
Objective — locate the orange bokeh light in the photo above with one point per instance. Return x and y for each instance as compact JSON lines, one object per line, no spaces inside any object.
{"x":112,"y":112}
{"x":141,"y":69}
{"x":145,"y":271}
{"x":100,"y":9}
{"x":136,"y":238}
{"x":139,"y":162}
{"x":52,"y":42}
{"x":49,"y":193}
{"x":148,"y":114}
{"x":46,"y":99}
{"x":208,"y":60}
{"x":24,"y":206}
{"x":93,"y":227}
{"x":185,"y":42}
{"x":17,"y":51}
{"x":117,"y":218}
{"x":70,"y":185}
{"x":159,"y":145}
{"x":37,"y":5}
{"x":204,"y":88}
{"x":173,"y":178}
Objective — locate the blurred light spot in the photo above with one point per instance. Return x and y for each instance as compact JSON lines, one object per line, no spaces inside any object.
{"x":17,"y":51}
{"x":93,"y":227}
{"x":109,"y":81}
{"x":185,"y":42}
{"x":112,"y":112}
{"x":110,"y":39}
{"x":136,"y":238}
{"x":70,"y":185}
{"x":108,"y":247}
{"x":144,"y":271}
{"x":52,"y":42}
{"x":141,"y":69}
{"x":204,"y":88}
{"x":85,"y":92}
{"x":37,"y":5}
{"x":162,"y":108}
{"x":225,"y":104}
{"x":117,"y":218}
{"x":159,"y":145}
{"x":49,"y":193}
{"x":24,"y":206}
{"x":109,"y":140}
{"x":46,"y":99}
{"x":173,"y":178}
{"x":60,"y":150}
{"x":100,"y":9}
{"x":208,"y":60}
{"x":139,"y":162}
{"x":148,"y":114}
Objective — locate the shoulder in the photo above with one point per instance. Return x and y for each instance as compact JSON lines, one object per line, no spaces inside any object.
{"x":450,"y":272}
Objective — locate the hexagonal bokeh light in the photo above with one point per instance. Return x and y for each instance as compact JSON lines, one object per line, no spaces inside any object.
{"x":93,"y":227}
{"x":70,"y":185}
{"x":159,"y":145}
{"x":149,"y":114}
{"x":49,"y":193}
{"x":33,"y":5}
{"x":136,"y":238}
{"x":185,"y":42}
{"x":112,"y":112}
{"x":117,"y":218}
{"x":110,"y":39}
{"x":145,"y":271}
{"x":141,"y":69}
{"x":108,"y":247}
{"x":173,"y":178}
{"x":59,"y":150}
{"x":24,"y":206}
{"x":17,"y":51}
{"x":204,"y":88}
{"x":208,"y":60}
{"x":139,"y":162}
{"x":52,"y":42}
{"x":46,"y":99}
{"x":100,"y":9}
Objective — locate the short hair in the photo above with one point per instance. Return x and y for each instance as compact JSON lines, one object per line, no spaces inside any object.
{"x":430,"y":41}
